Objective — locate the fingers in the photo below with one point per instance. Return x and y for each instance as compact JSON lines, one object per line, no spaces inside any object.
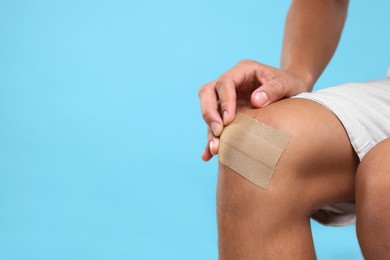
{"x":226,"y":91}
{"x":248,"y":80}
{"x":206,"y":156}
{"x":209,"y":106}
{"x":213,"y":143}
{"x":223,"y":92}
{"x":211,"y":147}
{"x":269,"y":92}
{"x":275,"y":85}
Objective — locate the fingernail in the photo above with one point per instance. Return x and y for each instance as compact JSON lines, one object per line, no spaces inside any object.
{"x":261,"y":98}
{"x":211,"y":145}
{"x":225,"y":115}
{"x":216,"y":128}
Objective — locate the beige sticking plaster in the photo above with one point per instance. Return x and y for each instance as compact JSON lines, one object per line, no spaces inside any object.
{"x":252,"y":148}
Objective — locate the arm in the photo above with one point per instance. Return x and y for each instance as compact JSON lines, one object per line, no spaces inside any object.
{"x":312,"y":32}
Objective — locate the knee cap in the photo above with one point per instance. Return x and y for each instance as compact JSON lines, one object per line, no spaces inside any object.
{"x":252,"y":148}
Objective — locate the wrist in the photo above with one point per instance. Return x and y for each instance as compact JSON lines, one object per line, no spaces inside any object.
{"x":306,"y":77}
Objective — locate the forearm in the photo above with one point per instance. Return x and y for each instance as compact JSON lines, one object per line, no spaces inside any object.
{"x":312,"y":32}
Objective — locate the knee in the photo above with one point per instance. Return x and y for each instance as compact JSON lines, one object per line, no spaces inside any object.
{"x":252,"y":148}
{"x":317,"y":139}
{"x":286,"y":188}
{"x":289,"y":117}
{"x":239,"y":193}
{"x":259,"y":140}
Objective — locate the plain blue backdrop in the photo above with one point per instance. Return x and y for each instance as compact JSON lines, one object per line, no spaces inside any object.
{"x":100,"y":127}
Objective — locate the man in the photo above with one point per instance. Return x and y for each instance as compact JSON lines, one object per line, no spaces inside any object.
{"x":337,"y":163}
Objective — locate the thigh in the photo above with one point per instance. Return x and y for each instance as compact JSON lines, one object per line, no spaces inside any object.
{"x":318,"y":166}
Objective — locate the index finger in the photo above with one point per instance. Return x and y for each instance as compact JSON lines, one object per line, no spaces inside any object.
{"x":226,"y":91}
{"x":209,"y":106}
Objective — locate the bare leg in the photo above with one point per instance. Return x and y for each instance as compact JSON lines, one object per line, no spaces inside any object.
{"x":317,"y":168}
{"x":373,"y":202}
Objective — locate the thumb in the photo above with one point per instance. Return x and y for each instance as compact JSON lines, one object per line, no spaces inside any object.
{"x":268,"y":93}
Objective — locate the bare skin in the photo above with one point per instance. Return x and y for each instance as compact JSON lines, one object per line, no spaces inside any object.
{"x":312,"y":32}
{"x":373,"y":202}
{"x":318,"y":166}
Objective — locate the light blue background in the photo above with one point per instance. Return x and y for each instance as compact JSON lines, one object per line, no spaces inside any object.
{"x":100,"y":129}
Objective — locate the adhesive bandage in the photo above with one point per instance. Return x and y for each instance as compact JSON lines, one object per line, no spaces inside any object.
{"x":252,"y":148}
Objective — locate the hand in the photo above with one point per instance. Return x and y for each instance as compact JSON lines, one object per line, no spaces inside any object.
{"x":249,"y":82}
